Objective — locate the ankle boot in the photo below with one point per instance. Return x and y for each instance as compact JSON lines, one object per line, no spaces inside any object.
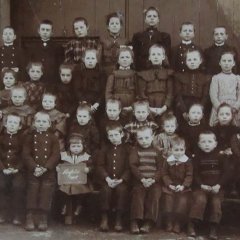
{"x":146,"y":226}
{"x":169,"y":225}
{"x":176,"y":227}
{"x":191,"y":229}
{"x":104,"y":223}
{"x":118,"y":225}
{"x":213,"y":232}
{"x":42,"y":222}
{"x":29,"y":225}
{"x":134,"y":227}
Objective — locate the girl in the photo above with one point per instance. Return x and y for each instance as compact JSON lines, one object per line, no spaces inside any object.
{"x":121,"y":84}
{"x":76,"y":155}
{"x":113,"y":41}
{"x":142,"y":41}
{"x":225,"y":87}
{"x":156,"y":84}
{"x":75,"y":48}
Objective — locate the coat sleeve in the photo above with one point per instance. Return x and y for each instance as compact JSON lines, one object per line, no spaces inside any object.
{"x":101,"y":164}
{"x":166,"y":178}
{"x":178,"y":88}
{"x":189,"y":175}
{"x":27,"y":153}
{"x":159,"y":162}
{"x":109,"y":87}
{"x":126,"y":173}
{"x":235,"y":146}
{"x":169,"y":96}
{"x":55,"y":154}
{"x":213,"y":92}
{"x":134,"y":164}
{"x":237,"y":103}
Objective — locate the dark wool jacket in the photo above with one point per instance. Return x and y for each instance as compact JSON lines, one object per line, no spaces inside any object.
{"x":142,"y":41}
{"x":41,"y":148}
{"x":113,"y":162}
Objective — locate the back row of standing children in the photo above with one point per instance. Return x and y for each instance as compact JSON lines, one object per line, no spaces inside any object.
{"x":98,"y":86}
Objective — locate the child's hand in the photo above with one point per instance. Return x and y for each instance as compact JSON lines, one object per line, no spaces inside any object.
{"x":94,"y":107}
{"x":110,"y":182}
{"x":227,"y":151}
{"x":179,"y":188}
{"x":7,"y":171}
{"x":172,"y":187}
{"x":145,"y":182}
{"x":161,"y":110}
{"x":151,"y":181}
{"x":216,"y":188}
{"x":13,"y":170}
{"x":128,"y":109}
{"x":86,"y":170}
{"x":206,"y":188}
{"x":118,"y":181}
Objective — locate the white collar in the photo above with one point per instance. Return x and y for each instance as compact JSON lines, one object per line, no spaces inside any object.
{"x":124,"y":68}
{"x":8,"y":44}
{"x":219,"y":45}
{"x":11,"y":133}
{"x":186,"y":42}
{"x":193,"y":124}
{"x":173,"y":161}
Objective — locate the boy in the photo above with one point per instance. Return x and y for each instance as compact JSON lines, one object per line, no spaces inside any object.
{"x":113,"y":171}
{"x":12,"y":179}
{"x":145,"y":165}
{"x":10,"y":53}
{"x":47,"y":52}
{"x":210,"y":176}
{"x":187,"y":34}
{"x":41,"y":154}
{"x":213,"y":54}
{"x":141,"y":113}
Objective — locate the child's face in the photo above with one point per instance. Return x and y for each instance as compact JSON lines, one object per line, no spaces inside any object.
{"x":227,"y":62}
{"x":207,"y":142}
{"x":178,"y":150}
{"x":145,"y":138}
{"x":45,"y":31}
{"x":141,"y":112}
{"x":42,"y":122}
{"x":8,"y":80}
{"x":13,"y":124}
{"x":66,"y":75}
{"x":170,"y":126}
{"x":18,"y":97}
{"x":48,"y":102}
{"x":152,"y":18}
{"x":90,"y":59}
{"x":125,"y":59}
{"x":224,"y":115}
{"x":76,"y":148}
{"x":80,"y":29}
{"x":113,"y":111}
{"x":187,"y":32}
{"x":193,"y":60}
{"x":83,"y":117}
{"x":156,"y":56}
{"x":115,"y":136}
{"x":195,"y":114}
{"x":35,"y":72}
{"x":220,"y":35}
{"x":114,"y":25}
{"x":8,"y":36}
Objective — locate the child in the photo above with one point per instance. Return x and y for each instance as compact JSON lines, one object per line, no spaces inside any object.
{"x":113,"y":114}
{"x":225,"y":87}
{"x":10,"y":53}
{"x":47,"y":52}
{"x":58,"y":119}
{"x":12,"y":179}
{"x":113,"y":172}
{"x":213,"y":54}
{"x":89,"y":80}
{"x":141,"y":112}
{"x":75,"y":48}
{"x":34,"y":87}
{"x":142,"y":41}
{"x":41,"y":154}
{"x":163,"y":140}
{"x":145,"y":165}
{"x":210,"y":175}
{"x":18,"y":98}
{"x":156,"y":84}
{"x":112,"y":43}
{"x":191,"y":86}
{"x":76,"y":154}
{"x":187,"y":34}
{"x":9,"y":81}
{"x":86,"y":127}
{"x":66,"y":99}
{"x":121,"y":83}
{"x":177,"y":179}
{"x":191,"y":128}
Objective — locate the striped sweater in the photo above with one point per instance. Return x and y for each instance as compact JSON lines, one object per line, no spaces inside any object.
{"x":145,"y":163}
